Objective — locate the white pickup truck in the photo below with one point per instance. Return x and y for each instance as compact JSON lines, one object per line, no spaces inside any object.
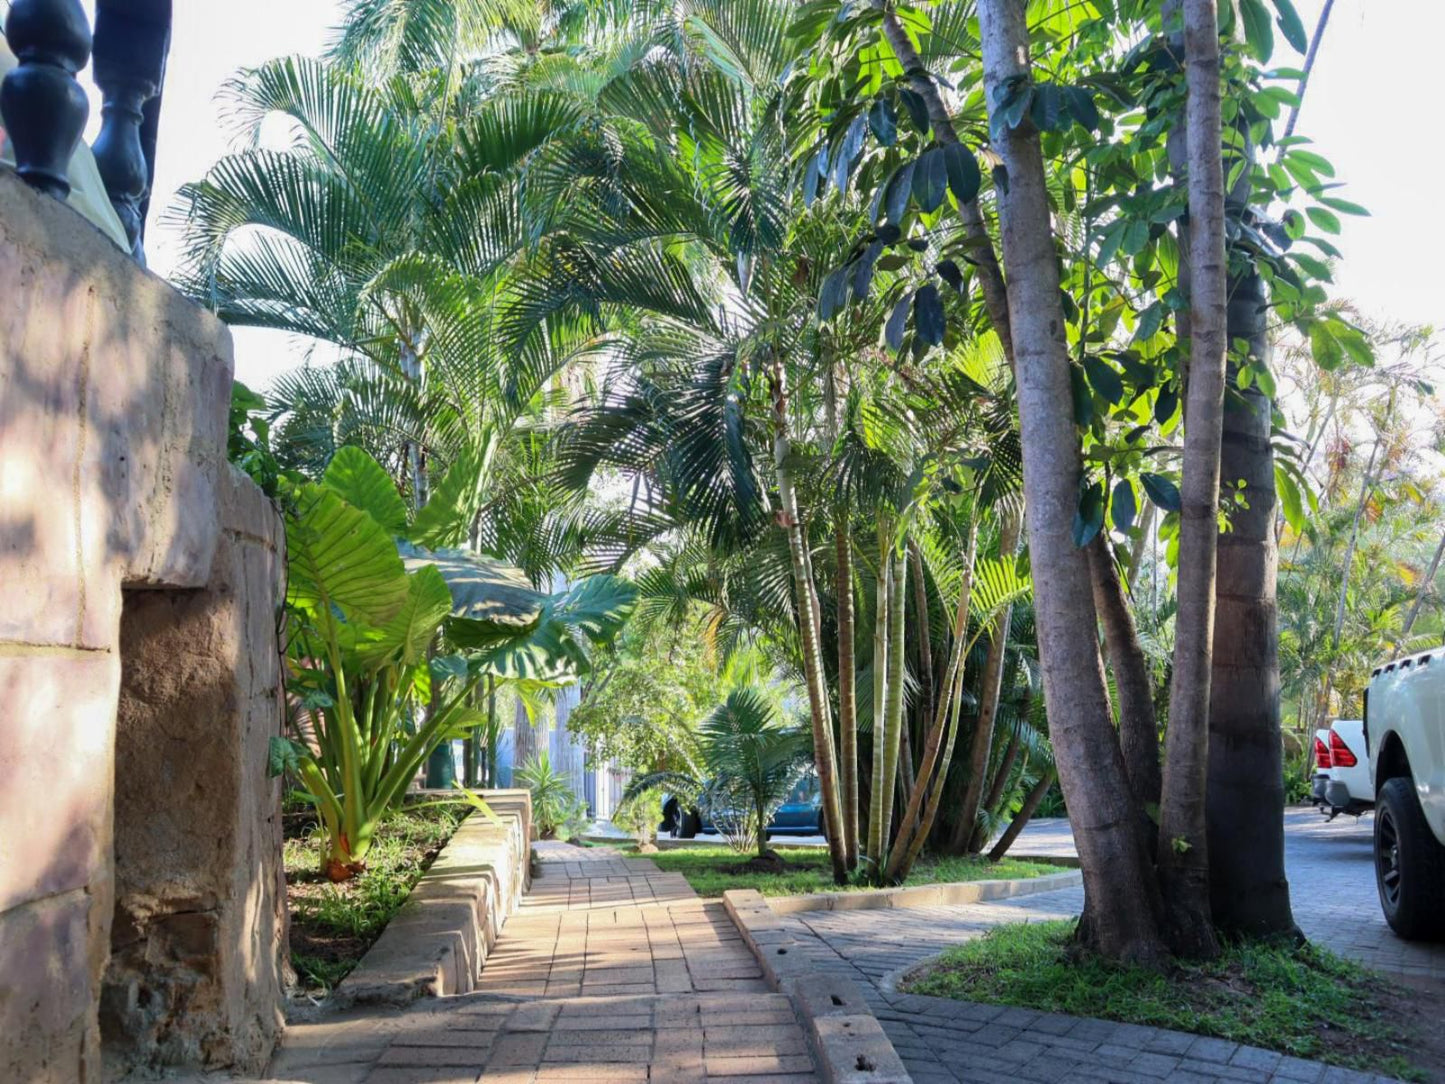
{"x":1405,"y":735}
{"x":1342,"y":782}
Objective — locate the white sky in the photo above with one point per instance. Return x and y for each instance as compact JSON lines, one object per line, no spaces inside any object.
{"x":1368,"y":109}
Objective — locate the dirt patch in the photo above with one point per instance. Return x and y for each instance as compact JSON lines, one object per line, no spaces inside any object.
{"x":772,"y":862}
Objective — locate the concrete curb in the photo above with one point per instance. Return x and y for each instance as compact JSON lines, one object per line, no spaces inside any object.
{"x":849,"y":1045}
{"x":436,"y":943}
{"x":938,"y":895}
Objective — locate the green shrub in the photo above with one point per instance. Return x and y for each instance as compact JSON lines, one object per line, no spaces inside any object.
{"x":640,"y":815}
{"x":556,"y":810}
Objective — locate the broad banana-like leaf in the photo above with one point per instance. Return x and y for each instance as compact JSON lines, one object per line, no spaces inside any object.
{"x":589,"y":614}
{"x":338,"y":555}
{"x":408,"y":635}
{"x":484,"y":590}
{"x":363,"y":482}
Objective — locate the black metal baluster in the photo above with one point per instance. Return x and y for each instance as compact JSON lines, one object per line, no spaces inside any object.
{"x":42,"y":104}
{"x":131,"y":41}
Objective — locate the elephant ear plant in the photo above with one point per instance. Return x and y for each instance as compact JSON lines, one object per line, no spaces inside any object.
{"x":385,"y":652}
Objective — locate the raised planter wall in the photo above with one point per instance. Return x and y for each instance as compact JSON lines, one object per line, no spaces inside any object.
{"x":436,"y":944}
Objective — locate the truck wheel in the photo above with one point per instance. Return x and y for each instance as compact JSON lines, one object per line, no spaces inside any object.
{"x":1409,"y":864}
{"x":689,"y":824}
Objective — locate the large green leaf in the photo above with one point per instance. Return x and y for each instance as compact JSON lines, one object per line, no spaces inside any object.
{"x":408,"y":635}
{"x":366,"y":485}
{"x":587,"y":615}
{"x":447,"y":517}
{"x":339,"y":555}
{"x":484,"y":591}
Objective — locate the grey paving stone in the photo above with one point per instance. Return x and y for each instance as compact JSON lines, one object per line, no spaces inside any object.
{"x":1170,"y":1042}
{"x":1206,"y":1049}
{"x":1252,"y":1057}
{"x":1154,"y":1065}
{"x":1298,"y":1069}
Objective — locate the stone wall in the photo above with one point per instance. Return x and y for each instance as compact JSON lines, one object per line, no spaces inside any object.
{"x":113,"y":401}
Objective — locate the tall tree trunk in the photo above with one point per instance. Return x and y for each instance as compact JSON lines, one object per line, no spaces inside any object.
{"x":999,"y":784}
{"x":847,"y":689}
{"x":881,"y":608}
{"x":1310,"y":56}
{"x":809,"y":622}
{"x":1248,"y":890}
{"x":1025,"y":814}
{"x":1119,"y":884}
{"x":1183,"y":840}
{"x":893,"y":707}
{"x":967,"y":829}
{"x":1138,"y":726}
{"x":913,"y":832}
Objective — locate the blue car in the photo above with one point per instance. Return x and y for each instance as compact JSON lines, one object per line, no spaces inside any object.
{"x":801,"y":814}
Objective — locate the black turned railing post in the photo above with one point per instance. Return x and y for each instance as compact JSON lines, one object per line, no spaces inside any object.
{"x":132,"y":38}
{"x":43,"y":106}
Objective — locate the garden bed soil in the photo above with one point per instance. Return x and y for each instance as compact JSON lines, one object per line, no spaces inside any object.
{"x":332,"y":925}
{"x":1304,"y":1003}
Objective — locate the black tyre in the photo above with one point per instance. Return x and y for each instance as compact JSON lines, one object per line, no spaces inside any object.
{"x":689,"y":825}
{"x":1409,"y":864}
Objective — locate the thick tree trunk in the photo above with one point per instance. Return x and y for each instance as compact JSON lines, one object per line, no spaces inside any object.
{"x":1119,"y":882}
{"x":1248,"y":890}
{"x":1138,"y":727}
{"x":1025,"y":814}
{"x":847,"y":690}
{"x":967,"y":830}
{"x":1183,"y":843}
{"x":809,"y":623}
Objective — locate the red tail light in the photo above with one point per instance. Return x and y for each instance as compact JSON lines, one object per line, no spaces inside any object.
{"x":1322,"y":754}
{"x":1340,"y":755}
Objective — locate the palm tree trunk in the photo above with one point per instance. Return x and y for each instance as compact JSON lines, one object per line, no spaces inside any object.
{"x":1183,"y":854}
{"x":1119,"y":885}
{"x":893,"y":707}
{"x":1248,"y":890}
{"x":913,"y":833}
{"x":1025,"y":814}
{"x":1304,"y":79}
{"x":847,"y":690}
{"x":809,"y":622}
{"x":982,"y":747}
{"x":880,"y":698}
{"x":996,"y":788}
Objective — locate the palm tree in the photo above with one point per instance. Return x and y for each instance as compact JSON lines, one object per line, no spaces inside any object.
{"x":748,"y":762}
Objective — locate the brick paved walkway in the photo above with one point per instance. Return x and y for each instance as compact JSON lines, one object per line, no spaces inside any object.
{"x":1332,"y":887}
{"x":611,"y":971}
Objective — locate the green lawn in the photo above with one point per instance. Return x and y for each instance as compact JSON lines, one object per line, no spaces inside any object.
{"x":332,"y":925}
{"x":712,"y":870}
{"x":1305,"y":1002}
